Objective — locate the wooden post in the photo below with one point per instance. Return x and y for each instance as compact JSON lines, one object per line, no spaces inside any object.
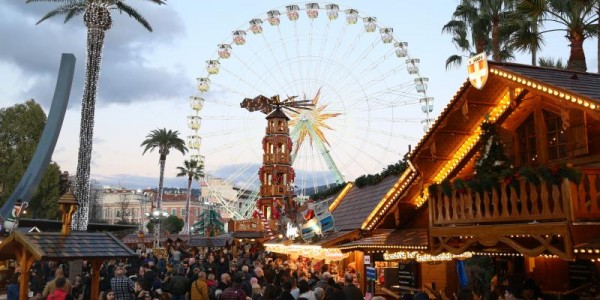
{"x":361,"y":271}
{"x":95,"y":292}
{"x":25,"y":261}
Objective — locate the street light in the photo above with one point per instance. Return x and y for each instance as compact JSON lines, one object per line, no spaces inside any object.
{"x":155,"y":217}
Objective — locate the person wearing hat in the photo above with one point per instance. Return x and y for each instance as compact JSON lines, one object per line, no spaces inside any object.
{"x":235,"y":292}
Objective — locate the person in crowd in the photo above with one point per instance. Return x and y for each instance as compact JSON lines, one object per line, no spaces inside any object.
{"x":78,"y":287}
{"x":51,"y":285}
{"x":140,"y":292}
{"x":465,"y":294}
{"x":350,"y":290}
{"x":319,"y":293}
{"x":270,"y":293}
{"x":108,"y":295}
{"x":222,"y":266}
{"x":305,"y":292}
{"x":256,"y":289}
{"x":199,"y":289}
{"x":36,"y":282}
{"x":235,"y":292}
{"x":149,"y":278}
{"x":295,"y":291}
{"x":260,"y":276}
{"x":12,"y":289}
{"x":121,"y":285}
{"x":225,"y":282}
{"x":178,"y":286}
{"x":325,"y":276}
{"x":286,"y":287}
{"x":59,"y":292}
{"x":211,"y":281}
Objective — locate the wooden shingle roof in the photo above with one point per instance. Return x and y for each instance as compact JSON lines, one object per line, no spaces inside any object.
{"x":76,"y":245}
{"x":414,"y":238}
{"x":585,"y":84}
{"x":213,"y":241}
{"x":359,"y":202}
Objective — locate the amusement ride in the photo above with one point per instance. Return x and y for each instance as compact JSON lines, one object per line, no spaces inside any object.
{"x":366,"y":101}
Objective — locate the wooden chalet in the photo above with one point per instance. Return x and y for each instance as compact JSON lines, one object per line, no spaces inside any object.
{"x":549,"y":229}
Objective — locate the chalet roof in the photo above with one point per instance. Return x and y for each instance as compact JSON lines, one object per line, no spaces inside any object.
{"x":277,"y":113}
{"x":76,"y":245}
{"x":414,"y":238}
{"x":356,"y":206}
{"x":214,"y":241}
{"x":585,"y":84}
{"x":249,"y":234}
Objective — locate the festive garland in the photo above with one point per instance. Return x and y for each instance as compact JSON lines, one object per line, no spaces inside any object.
{"x":554,"y":174}
{"x":328,"y":192}
{"x":373,"y":179}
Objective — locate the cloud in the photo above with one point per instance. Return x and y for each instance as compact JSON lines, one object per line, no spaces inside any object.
{"x":128,"y":71}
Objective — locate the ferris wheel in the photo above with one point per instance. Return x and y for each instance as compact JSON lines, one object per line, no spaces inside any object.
{"x":370,"y":100}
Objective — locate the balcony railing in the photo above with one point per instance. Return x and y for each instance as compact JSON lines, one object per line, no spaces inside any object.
{"x":525,"y":202}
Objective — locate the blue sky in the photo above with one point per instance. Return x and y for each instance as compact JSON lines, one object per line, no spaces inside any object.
{"x":146,"y":78}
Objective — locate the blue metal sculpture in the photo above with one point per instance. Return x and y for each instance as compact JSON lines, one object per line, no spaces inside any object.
{"x":41,"y":159}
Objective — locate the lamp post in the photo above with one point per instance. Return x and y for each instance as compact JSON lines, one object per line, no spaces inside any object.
{"x":155,"y":217}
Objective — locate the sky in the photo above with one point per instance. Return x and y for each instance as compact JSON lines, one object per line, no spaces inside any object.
{"x":147,"y":77}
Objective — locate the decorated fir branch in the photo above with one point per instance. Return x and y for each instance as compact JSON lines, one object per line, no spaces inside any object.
{"x":493,"y":168}
{"x":373,"y":179}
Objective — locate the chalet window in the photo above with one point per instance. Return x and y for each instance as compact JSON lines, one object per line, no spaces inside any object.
{"x":527,"y":142}
{"x":542,"y":143}
{"x":557,"y":137}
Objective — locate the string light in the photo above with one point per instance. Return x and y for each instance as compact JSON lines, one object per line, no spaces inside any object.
{"x":424,"y":257}
{"x":97,"y":19}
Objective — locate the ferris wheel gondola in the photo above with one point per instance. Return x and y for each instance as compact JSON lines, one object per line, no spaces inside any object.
{"x":368,"y":96}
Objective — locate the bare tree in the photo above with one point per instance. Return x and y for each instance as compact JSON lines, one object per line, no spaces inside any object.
{"x":123,"y":212}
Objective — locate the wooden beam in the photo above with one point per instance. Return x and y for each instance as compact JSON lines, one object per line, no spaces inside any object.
{"x":455,"y":132}
{"x":25,"y":263}
{"x":480,"y":103}
{"x":95,"y":292}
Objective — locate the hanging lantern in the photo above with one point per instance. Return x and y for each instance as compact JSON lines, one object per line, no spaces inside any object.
{"x":332,"y":11}
{"x":196,"y":103}
{"x":224,"y":50}
{"x":401,"y":50}
{"x":312,"y":10}
{"x":239,"y":37}
{"x":194,"y":122}
{"x":292,"y":12}
{"x":387,"y":35}
{"x":426,"y":123}
{"x":203,"y":84}
{"x":412,"y":65}
{"x":273,"y":17}
{"x":194,"y":142}
{"x":370,"y":24}
{"x":351,"y":16}
{"x":256,"y":26}
{"x":212,"y":66}
{"x":427,"y":104}
{"x":421,"y":84}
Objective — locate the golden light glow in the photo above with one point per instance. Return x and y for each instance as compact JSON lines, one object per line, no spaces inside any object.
{"x":308,"y":121}
{"x":388,"y":199}
{"x":312,"y":251}
{"x":341,"y":196}
{"x":366,"y":246}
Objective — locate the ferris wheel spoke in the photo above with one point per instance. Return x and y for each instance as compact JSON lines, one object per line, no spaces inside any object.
{"x":323,"y":46}
{"x":277,"y":62}
{"x":287,"y":56}
{"x":259,"y":76}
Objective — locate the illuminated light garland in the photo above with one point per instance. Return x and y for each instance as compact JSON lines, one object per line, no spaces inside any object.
{"x":387,"y":200}
{"x":546,"y":89}
{"x":341,"y":196}
{"x":312,"y":251}
{"x":97,"y":19}
{"x":366,"y":246}
{"x":424,"y":257}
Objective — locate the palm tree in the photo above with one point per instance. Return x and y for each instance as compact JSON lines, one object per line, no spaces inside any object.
{"x":193,"y":170}
{"x":164,"y":140}
{"x":97,"y":19}
{"x":475,"y":28}
{"x":549,"y":62}
{"x":524,"y":29}
{"x":577,"y":18}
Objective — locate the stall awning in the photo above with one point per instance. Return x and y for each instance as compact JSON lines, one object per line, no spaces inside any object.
{"x":382,"y":239}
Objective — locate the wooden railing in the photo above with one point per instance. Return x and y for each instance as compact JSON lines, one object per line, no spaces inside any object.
{"x":524,"y":203}
{"x":585,"y":196}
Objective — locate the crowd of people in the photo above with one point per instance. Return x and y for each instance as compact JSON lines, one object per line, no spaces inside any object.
{"x":194,"y":275}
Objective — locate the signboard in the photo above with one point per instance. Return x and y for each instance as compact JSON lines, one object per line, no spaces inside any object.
{"x":371,"y":273}
{"x":252,"y":225}
{"x":478,"y":70}
{"x":408,"y":274}
{"x":367,"y":260}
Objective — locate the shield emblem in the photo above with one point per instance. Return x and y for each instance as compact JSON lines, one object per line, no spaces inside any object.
{"x":478,"y":70}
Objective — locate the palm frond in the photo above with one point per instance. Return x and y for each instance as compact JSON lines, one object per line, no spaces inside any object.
{"x":453,"y":61}
{"x":73,"y":13}
{"x":122,"y":7}
{"x":64,"y":9}
{"x":453,"y":26}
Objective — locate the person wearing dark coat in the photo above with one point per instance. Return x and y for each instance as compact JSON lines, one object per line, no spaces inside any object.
{"x":286,"y":292}
{"x":179,"y":285}
{"x":350,"y":290}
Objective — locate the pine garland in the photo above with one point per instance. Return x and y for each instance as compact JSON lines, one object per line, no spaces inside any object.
{"x":373,"y":179}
